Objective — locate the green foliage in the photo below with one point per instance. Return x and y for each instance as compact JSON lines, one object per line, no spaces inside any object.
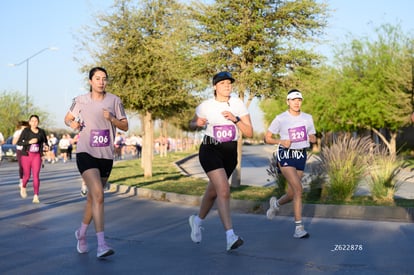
{"x":376,"y":80}
{"x":369,"y":87}
{"x":13,"y":109}
{"x":259,"y":41}
{"x":145,"y":49}
{"x":383,"y":173}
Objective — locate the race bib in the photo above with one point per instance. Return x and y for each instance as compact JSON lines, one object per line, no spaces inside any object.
{"x":100,"y":138}
{"x":224,"y":133}
{"x":34,"y":148}
{"x":298,"y":134}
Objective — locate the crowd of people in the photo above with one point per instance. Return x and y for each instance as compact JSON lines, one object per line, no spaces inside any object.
{"x":96,"y":117}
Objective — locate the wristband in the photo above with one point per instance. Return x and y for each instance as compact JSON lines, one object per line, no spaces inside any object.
{"x":237,"y":120}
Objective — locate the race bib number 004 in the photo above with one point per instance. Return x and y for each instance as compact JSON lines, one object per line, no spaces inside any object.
{"x":298,"y":134}
{"x":100,"y":138}
{"x":224,"y":133}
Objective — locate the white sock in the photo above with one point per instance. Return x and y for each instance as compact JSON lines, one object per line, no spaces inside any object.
{"x":229,"y":233}
{"x":198,"y":220}
{"x":298,"y":223}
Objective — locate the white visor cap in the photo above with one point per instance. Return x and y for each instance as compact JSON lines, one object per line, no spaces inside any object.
{"x":295,"y":94}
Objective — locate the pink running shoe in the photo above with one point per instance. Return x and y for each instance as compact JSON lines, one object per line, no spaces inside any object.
{"x":82,"y":245}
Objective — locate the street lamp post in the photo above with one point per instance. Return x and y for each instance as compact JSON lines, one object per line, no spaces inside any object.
{"x":27,"y":71}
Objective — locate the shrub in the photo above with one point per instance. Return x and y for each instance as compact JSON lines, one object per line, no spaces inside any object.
{"x":382,"y":175}
{"x":276,"y":174}
{"x":345,"y":162}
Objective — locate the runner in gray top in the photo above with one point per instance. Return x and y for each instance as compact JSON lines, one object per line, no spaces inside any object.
{"x":292,"y":131}
{"x":96,"y":116}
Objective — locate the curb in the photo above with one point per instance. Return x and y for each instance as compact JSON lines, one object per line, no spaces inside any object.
{"x":374,"y":213}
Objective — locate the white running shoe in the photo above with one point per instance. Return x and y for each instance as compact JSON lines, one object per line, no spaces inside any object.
{"x":195,"y":230}
{"x":35,"y":199}
{"x":84,"y":190}
{"x":300,"y":233}
{"x":23,"y":192}
{"x":234,"y":242}
{"x":273,"y":209}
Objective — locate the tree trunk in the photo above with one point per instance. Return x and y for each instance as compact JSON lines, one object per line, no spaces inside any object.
{"x":392,"y":144}
{"x":147,"y":148}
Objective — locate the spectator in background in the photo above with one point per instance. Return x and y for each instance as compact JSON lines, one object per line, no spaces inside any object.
{"x":137,"y":142}
{"x":163,"y":141}
{"x":51,"y":153}
{"x":64,"y":144}
{"x":1,"y":143}
{"x":16,"y":135}
{"x":118,"y":143}
{"x":70,"y":147}
{"x":53,"y":145}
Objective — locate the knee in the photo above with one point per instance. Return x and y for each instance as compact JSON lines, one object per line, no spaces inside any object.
{"x":224,"y":194}
{"x":211,"y":194}
{"x":96,"y":198}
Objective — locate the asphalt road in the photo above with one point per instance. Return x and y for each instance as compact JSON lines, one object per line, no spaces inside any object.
{"x":153,"y":237}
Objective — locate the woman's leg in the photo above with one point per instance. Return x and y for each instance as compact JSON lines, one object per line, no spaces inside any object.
{"x":220,"y":184}
{"x":94,"y":208}
{"x":208,"y":200}
{"x":294,"y":191}
{"x":26,"y":170}
{"x":36,"y":161}
{"x":19,"y":161}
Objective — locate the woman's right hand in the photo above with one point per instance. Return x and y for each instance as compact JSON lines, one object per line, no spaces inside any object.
{"x":285,"y":143}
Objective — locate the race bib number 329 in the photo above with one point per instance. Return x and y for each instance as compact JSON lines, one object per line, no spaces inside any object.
{"x":100,"y":138}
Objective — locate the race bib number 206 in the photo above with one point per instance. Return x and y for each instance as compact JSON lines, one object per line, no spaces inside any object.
{"x":100,"y":138}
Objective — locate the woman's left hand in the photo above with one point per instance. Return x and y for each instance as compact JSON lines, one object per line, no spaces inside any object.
{"x":229,"y":116}
{"x":107,"y":114}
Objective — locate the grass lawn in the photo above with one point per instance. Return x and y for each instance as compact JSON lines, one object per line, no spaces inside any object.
{"x":167,"y":177}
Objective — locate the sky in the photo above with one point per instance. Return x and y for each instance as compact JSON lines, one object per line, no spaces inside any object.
{"x":30,"y":26}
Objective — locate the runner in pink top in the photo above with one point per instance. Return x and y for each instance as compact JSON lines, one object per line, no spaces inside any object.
{"x":96,"y":115}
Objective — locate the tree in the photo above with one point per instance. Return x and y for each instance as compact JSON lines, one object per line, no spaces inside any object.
{"x":12,"y":110}
{"x":146,"y":53}
{"x":374,"y":87}
{"x":260,"y":42}
{"x":368,"y":88}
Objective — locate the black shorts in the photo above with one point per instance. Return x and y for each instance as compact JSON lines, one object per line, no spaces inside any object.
{"x":84,"y":161}
{"x":214,"y":155}
{"x":291,"y":157}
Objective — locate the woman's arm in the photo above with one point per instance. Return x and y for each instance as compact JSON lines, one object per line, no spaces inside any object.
{"x":245,"y":126}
